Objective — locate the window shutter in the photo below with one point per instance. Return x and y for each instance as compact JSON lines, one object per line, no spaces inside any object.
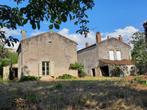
{"x":40,"y":68}
{"x":111,"y":55}
{"x":118,"y":55}
{"x":51,"y":68}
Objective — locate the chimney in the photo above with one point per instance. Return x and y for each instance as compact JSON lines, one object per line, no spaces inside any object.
{"x":98,"y":37}
{"x":120,"y":38}
{"x":23,"y":33}
{"x":108,"y":37}
{"x":86,"y":44}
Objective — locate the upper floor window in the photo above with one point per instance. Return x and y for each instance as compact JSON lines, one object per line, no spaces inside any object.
{"x":118,"y":55}
{"x":114,"y":55}
{"x":111,"y":55}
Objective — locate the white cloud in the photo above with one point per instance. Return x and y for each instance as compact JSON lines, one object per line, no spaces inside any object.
{"x":14,"y":33}
{"x":81,"y":40}
{"x":10,"y":32}
{"x":36,"y":32}
{"x":126,"y":33}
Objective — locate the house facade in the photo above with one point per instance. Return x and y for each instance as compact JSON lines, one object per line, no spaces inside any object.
{"x":47,"y":54}
{"x":101,"y":58}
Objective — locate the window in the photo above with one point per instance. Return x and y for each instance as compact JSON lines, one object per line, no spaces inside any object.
{"x":45,"y":68}
{"x":118,"y":55}
{"x":111,"y":55}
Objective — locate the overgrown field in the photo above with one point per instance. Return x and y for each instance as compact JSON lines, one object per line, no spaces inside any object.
{"x":84,"y":94}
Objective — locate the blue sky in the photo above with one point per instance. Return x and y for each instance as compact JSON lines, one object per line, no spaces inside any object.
{"x":107,"y":16}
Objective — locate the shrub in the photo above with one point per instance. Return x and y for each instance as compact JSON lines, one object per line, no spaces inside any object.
{"x":79,"y":67}
{"x":58,"y":86}
{"x":29,"y":78}
{"x":116,"y":71}
{"x":66,"y":76}
{"x":141,"y":80}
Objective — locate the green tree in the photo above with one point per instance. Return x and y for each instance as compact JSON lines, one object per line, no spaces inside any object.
{"x":139,"y":52}
{"x":7,"y":57}
{"x":79,"y":67}
{"x":36,"y":11}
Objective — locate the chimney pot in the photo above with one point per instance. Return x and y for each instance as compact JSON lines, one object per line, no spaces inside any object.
{"x":98,"y":37}
{"x":120,"y":38}
{"x":86,"y":44}
{"x":23,"y":33}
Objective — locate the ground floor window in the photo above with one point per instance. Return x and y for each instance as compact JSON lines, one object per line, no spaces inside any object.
{"x":45,"y":68}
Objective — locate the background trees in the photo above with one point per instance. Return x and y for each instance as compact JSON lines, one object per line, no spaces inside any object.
{"x":139,"y":53}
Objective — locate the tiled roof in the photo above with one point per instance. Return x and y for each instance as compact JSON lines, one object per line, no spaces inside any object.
{"x":87,"y":47}
{"x":119,"y":62}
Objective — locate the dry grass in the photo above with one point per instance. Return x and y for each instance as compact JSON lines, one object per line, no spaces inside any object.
{"x":81,"y":94}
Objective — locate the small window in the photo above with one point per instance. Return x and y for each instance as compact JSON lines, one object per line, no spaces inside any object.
{"x":111,"y":55}
{"x":45,"y":68}
{"x":118,"y":55}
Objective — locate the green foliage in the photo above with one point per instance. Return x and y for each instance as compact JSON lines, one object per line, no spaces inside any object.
{"x":29,"y":78}
{"x":55,"y":12}
{"x":58,"y":86}
{"x":140,"y":80}
{"x":139,"y":52}
{"x":66,"y":76}
{"x":79,"y":67}
{"x":7,"y":57}
{"x":116,"y":71}
{"x":31,"y":97}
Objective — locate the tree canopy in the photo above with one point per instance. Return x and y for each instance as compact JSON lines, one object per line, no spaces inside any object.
{"x":139,"y":52}
{"x":53,"y":11}
{"x":7,"y":57}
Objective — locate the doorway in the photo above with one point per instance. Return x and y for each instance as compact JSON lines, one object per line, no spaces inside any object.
{"x":13,"y":74}
{"x":93,"y":72}
{"x":105,"y":70}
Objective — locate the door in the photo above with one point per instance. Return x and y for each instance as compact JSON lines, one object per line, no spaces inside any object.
{"x":93,"y":72}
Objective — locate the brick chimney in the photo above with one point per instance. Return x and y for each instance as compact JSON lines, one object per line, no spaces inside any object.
{"x":23,"y":33}
{"x":120,"y":38}
{"x":108,"y":37}
{"x":98,"y":37}
{"x":86,"y":44}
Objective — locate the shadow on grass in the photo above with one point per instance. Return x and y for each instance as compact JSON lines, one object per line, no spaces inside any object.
{"x":72,"y":95}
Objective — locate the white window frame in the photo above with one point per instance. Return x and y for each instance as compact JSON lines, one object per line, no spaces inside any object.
{"x":118,"y":55}
{"x":111,"y":55}
{"x":46,"y":68}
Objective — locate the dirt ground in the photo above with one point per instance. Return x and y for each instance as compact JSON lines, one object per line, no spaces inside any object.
{"x":116,"y":94}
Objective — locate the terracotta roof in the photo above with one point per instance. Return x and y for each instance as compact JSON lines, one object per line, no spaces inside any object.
{"x":87,"y":47}
{"x":106,"y":40}
{"x":119,"y":62}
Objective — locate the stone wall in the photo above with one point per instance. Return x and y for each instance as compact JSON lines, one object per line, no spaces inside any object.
{"x":52,"y":47}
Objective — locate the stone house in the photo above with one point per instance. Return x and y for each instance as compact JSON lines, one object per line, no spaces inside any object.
{"x":101,"y":58}
{"x":46,"y":55}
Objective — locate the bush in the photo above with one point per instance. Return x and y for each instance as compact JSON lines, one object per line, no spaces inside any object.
{"x":29,"y":78}
{"x":66,"y":76}
{"x":141,"y":80}
{"x":79,"y":67}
